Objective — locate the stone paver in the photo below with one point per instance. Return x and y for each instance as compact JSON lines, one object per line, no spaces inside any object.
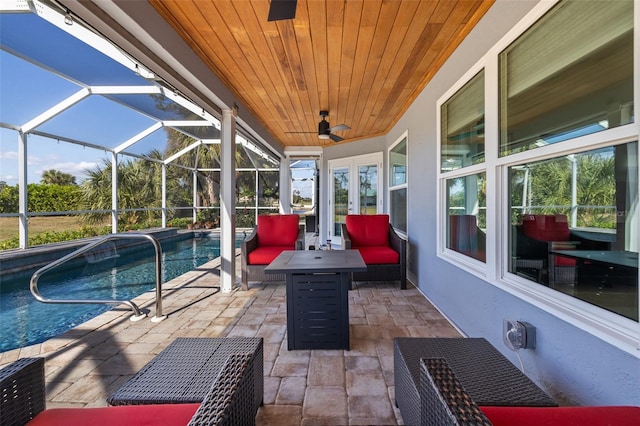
{"x":308,"y":387}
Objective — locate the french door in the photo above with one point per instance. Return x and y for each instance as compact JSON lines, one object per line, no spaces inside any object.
{"x":355,"y":187}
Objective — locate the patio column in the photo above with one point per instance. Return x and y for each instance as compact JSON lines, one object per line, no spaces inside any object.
{"x":164,"y":195}
{"x":114,"y":192}
{"x":22,"y":194}
{"x":228,"y":201}
{"x":285,"y":185}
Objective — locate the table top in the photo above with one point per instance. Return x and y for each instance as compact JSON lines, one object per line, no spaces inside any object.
{"x":317,"y":261}
{"x":620,"y":258}
{"x":183,"y":372}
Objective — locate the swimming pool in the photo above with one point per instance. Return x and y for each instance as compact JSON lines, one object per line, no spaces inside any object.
{"x":25,"y":321}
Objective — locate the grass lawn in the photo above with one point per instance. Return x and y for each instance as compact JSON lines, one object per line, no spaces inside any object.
{"x":9,"y":225}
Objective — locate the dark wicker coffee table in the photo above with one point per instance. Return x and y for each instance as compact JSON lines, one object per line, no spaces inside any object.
{"x":487,"y":375}
{"x":184,"y":371}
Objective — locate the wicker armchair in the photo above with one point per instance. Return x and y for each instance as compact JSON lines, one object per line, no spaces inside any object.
{"x":230,"y":400}
{"x":273,"y":234}
{"x":445,"y":402}
{"x":371,"y":254}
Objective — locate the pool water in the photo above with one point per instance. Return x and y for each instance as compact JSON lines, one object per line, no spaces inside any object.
{"x":24,"y":321}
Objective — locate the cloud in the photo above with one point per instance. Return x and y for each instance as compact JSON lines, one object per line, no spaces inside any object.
{"x":76,"y":169}
{"x":9,"y":155}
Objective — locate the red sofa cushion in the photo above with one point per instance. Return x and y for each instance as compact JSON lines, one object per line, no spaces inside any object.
{"x":368,"y":230}
{"x":139,"y":415}
{"x":379,"y":255}
{"x":278,"y":230}
{"x":265,"y":255}
{"x":563,"y":416}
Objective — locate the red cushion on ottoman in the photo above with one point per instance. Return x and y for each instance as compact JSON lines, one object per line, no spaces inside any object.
{"x":563,"y":416}
{"x":278,"y":230}
{"x":139,"y":415}
{"x":368,"y":229}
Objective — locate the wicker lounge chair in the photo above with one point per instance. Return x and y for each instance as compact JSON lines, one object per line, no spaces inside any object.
{"x":382,"y":249}
{"x":230,"y":401}
{"x":444,"y":402}
{"x":272,"y":235}
{"x":486,"y":374}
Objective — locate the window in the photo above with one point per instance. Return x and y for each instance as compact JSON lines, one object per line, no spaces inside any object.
{"x":570,"y":74}
{"x":398,"y":184}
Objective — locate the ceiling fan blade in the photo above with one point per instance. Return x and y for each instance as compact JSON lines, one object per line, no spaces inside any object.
{"x":335,"y":138}
{"x":340,"y":127}
{"x":282,"y":9}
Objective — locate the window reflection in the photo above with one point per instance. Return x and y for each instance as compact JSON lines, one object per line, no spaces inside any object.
{"x":466,"y":215}
{"x":574,"y":225}
{"x":571,"y":74}
{"x":463,"y":126}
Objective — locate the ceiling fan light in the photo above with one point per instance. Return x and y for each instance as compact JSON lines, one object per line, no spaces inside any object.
{"x":323,"y":136}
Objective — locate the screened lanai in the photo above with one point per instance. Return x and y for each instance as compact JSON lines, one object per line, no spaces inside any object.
{"x":90,"y":134}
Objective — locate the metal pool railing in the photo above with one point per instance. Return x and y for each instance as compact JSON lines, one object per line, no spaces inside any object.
{"x":138,"y":315}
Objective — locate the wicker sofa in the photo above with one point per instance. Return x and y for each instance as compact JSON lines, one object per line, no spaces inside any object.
{"x":446,"y":402}
{"x":487,"y":374}
{"x":381,"y":248}
{"x":230,"y":401}
{"x":272,"y":235}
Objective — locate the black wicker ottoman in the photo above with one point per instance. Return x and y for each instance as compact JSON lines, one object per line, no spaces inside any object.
{"x":487,"y":375}
{"x":184,"y":370}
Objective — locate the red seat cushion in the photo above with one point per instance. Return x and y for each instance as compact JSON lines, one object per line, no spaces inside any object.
{"x":278,"y":230}
{"x":265,"y":255}
{"x":378,"y":255}
{"x":139,"y":415}
{"x":563,"y":416}
{"x":368,"y":230}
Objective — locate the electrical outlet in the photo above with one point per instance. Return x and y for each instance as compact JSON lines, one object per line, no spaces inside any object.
{"x":518,"y":335}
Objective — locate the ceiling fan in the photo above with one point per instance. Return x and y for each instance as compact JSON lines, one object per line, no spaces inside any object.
{"x":325,"y":131}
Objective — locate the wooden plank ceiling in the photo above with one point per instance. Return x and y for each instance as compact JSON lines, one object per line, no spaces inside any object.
{"x":364,"y":61}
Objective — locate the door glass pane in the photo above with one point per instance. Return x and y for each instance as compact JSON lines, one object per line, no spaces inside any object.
{"x":574,"y":225}
{"x":340,"y":198}
{"x":368,"y":192}
{"x":571,"y":74}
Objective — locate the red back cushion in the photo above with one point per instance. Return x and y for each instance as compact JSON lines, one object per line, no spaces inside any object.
{"x":368,"y":229}
{"x":122,"y":415}
{"x":463,"y":232}
{"x":563,"y":416}
{"x":546,"y":227}
{"x":278,"y":230}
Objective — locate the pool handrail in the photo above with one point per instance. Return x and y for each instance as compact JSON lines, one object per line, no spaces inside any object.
{"x":138,"y":315}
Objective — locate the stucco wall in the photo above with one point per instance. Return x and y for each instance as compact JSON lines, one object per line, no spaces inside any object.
{"x":572,"y":365}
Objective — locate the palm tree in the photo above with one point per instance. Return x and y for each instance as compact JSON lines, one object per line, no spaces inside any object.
{"x":56,"y":177}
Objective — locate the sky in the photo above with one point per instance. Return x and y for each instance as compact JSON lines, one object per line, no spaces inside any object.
{"x":27,"y":90}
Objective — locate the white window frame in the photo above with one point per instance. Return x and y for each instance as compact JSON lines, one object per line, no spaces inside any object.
{"x":621,"y":332}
